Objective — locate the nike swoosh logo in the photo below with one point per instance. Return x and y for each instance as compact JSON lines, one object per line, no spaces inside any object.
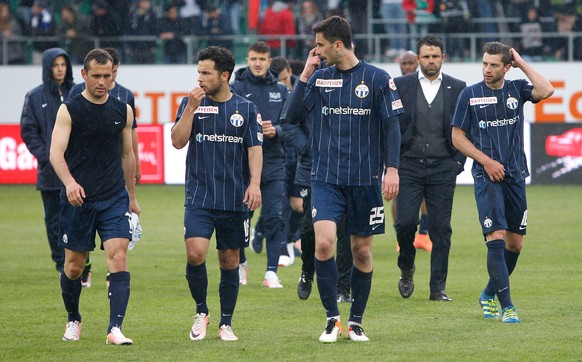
{"x":375,"y":227}
{"x":501,"y":290}
{"x":483,"y":105}
{"x":248,"y":95}
{"x":44,"y":105}
{"x":327,"y":90}
{"x":203,"y":117}
{"x":118,"y":122}
{"x":522,"y":228}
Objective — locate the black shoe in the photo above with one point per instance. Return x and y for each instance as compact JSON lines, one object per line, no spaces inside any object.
{"x":406,"y":282}
{"x":440,"y":296}
{"x":344,"y":297}
{"x":304,"y":285}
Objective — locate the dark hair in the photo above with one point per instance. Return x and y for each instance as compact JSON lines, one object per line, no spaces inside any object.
{"x":495,"y":47}
{"x":279,"y":64}
{"x":430,"y":40}
{"x":114,"y":55}
{"x":335,"y":28}
{"x":223,"y":58}
{"x":296,"y":66}
{"x":100,"y":56}
{"x":260,"y":47}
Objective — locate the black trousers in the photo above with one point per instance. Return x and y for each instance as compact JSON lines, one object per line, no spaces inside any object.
{"x":434,"y":180}
{"x":52,"y":211}
{"x":344,"y":249}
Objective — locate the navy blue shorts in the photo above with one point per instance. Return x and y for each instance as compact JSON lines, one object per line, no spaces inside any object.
{"x":362,"y":205}
{"x":232,"y":227}
{"x":501,"y":205}
{"x":296,"y":190}
{"x":78,"y":225}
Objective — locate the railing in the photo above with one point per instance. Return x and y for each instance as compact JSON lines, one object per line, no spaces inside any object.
{"x":573,"y":41}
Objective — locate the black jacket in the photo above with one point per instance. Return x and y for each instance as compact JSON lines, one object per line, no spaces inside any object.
{"x":39,"y":114}
{"x":269,"y":96}
{"x":408,"y":89}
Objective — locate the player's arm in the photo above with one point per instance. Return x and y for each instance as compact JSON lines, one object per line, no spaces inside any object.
{"x":542,"y":88}
{"x":183,"y":128}
{"x":128,"y":161}
{"x":494,"y":169}
{"x":391,"y":180}
{"x":59,"y":144}
{"x":135,"y":145}
{"x":253,"y":192}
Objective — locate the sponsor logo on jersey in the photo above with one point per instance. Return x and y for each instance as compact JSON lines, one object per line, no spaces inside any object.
{"x":259,"y":119}
{"x":329,"y":83}
{"x":237,"y":120}
{"x":487,"y":222}
{"x":498,"y":122}
{"x":512,"y":103}
{"x":313,"y":212}
{"x":207,"y":109}
{"x":218,"y":138}
{"x":397,"y":104}
{"x":345,"y":110}
{"x":260,"y":136}
{"x":482,"y":100}
{"x":275,"y":97}
{"x":391,"y":84}
{"x":362,"y":91}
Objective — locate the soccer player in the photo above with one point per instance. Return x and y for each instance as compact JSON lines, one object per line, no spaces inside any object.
{"x":488,"y":127}
{"x":223,"y":175}
{"x":125,"y":95}
{"x":260,"y":85}
{"x":36,"y":126}
{"x":92,"y":154}
{"x":429,"y":164}
{"x":355,"y":150}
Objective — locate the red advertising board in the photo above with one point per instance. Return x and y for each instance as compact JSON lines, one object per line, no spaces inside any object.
{"x":18,"y":165}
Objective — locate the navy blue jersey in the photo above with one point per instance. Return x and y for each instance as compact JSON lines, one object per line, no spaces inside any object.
{"x":120,"y":92}
{"x":493,"y":121}
{"x":217,"y":166}
{"x":350,"y":110}
{"x":94,"y":150}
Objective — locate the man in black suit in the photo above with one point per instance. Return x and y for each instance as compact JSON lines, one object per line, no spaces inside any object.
{"x":429,"y":164}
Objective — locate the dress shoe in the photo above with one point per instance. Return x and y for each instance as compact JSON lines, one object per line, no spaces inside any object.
{"x":406,"y":282}
{"x":440,"y":296}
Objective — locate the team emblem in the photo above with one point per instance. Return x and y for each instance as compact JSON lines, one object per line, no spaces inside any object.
{"x":512,"y":103}
{"x":313,"y":212}
{"x":362,"y":91}
{"x":237,"y":120}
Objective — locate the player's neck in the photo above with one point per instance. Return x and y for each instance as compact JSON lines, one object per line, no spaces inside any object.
{"x":222,"y":95}
{"x":348,"y":61}
{"x":90,"y":98}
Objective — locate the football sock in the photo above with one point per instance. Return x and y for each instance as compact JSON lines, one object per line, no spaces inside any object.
{"x":87,"y":266}
{"x":423,"y":228}
{"x":242,"y":256}
{"x":228,"y":291}
{"x":498,"y":271}
{"x":198,"y":284}
{"x":361,"y":286}
{"x":510,"y":261}
{"x":326,"y":273}
{"x":118,"y":298}
{"x":71,"y":291}
{"x":273,"y":253}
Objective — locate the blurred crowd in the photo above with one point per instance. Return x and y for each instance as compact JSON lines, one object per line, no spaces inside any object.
{"x":157,"y":30}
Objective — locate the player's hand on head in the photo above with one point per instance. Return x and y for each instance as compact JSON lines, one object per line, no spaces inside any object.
{"x":253,"y":198}
{"x":312,"y":63}
{"x":516,"y":59}
{"x":75,"y":194}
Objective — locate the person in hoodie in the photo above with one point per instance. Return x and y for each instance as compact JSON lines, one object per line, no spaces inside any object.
{"x":279,"y":20}
{"x":36,"y":127}
{"x":261,"y":86}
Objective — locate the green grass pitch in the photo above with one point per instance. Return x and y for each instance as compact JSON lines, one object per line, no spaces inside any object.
{"x":274,"y":325}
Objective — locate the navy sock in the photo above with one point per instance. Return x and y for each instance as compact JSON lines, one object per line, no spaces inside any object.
{"x":118,"y":298}
{"x":71,"y":291}
{"x":326,"y":273}
{"x":423,"y":228}
{"x":198,"y":284}
{"x":228,"y":291}
{"x":273,"y":253}
{"x":510,"y":261}
{"x":361,"y":286}
{"x":242,"y":256}
{"x":498,"y":271}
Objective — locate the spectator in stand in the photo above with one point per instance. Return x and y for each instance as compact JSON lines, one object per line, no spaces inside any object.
{"x":216,"y":24}
{"x":141,"y":22}
{"x":41,"y":25}
{"x":25,"y":13}
{"x":517,"y":9}
{"x":485,"y":10}
{"x":105,"y":23}
{"x":9,"y":28}
{"x":455,"y":17}
{"x":531,"y":42}
{"x":233,"y":10}
{"x":394,"y":18}
{"x":171,"y":32}
{"x":309,"y":16}
{"x":279,"y":20}
{"x":74,"y":29}
{"x":419,"y":14}
{"x":567,"y":21}
{"x":191,"y":14}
